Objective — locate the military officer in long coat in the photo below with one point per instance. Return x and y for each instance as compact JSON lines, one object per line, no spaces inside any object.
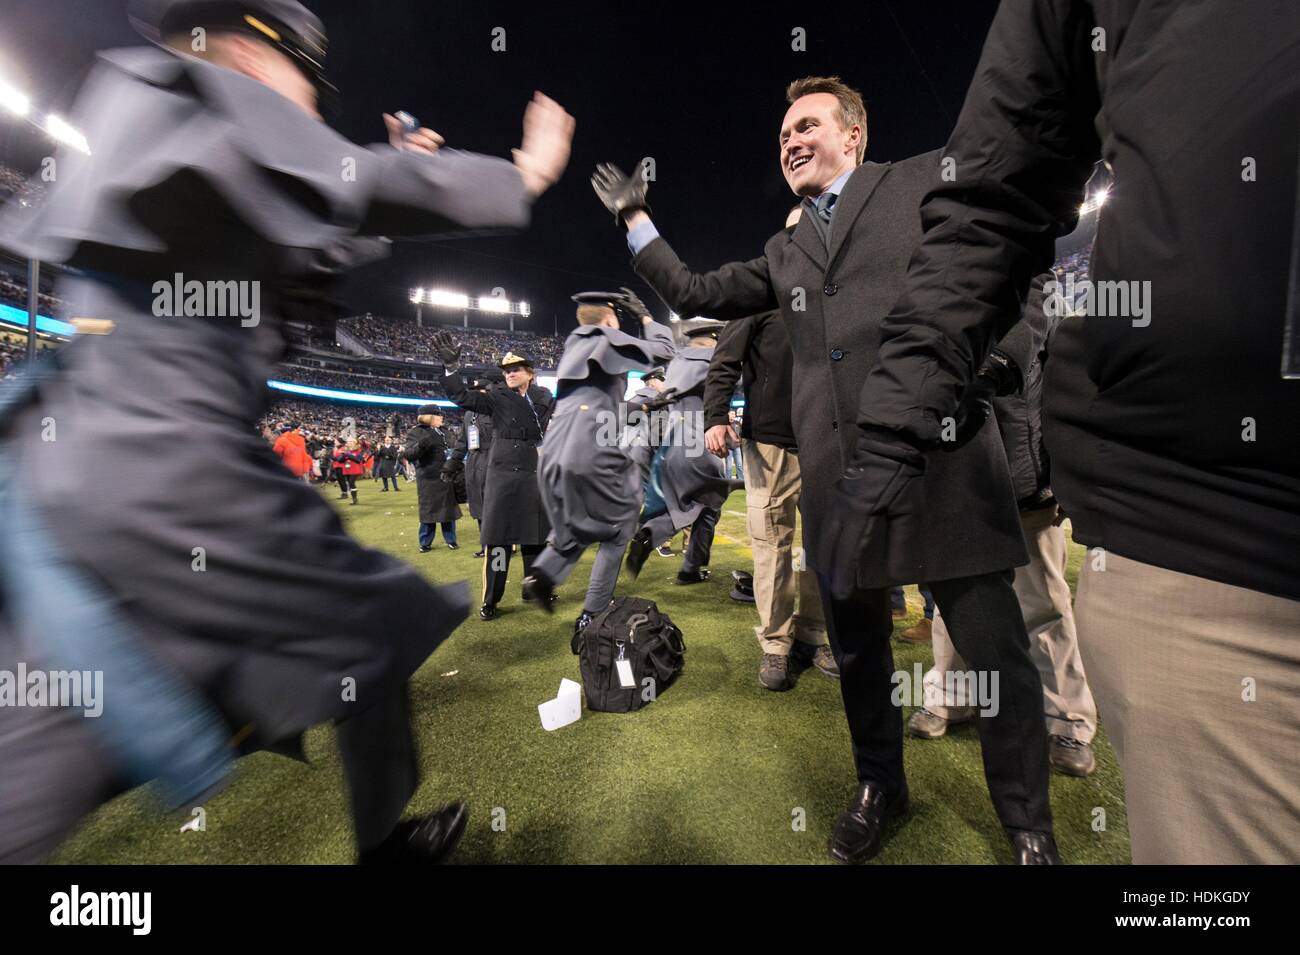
{"x":426,"y":448}
{"x":512,"y":507}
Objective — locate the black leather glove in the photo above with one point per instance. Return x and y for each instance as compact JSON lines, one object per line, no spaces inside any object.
{"x":973,"y":413}
{"x":666,"y":397}
{"x":450,"y":468}
{"x":866,"y":494}
{"x":448,"y":350}
{"x":619,"y":192}
{"x":632,"y":306}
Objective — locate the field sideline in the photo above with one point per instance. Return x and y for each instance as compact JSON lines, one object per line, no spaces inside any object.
{"x":718,"y":771}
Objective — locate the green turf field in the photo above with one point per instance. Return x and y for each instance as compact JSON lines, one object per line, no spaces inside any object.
{"x":718,"y":770}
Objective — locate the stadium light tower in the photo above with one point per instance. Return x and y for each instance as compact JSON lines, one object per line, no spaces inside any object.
{"x":445,"y":298}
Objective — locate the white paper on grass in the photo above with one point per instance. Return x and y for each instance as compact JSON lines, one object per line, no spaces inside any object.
{"x":566,"y":708}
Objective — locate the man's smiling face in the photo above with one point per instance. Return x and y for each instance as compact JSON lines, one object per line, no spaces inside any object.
{"x":815,"y":149}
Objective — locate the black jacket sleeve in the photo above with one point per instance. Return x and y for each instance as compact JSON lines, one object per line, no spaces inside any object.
{"x":734,"y":291}
{"x":460,"y":393}
{"x":1022,"y":151}
{"x":725,"y":370}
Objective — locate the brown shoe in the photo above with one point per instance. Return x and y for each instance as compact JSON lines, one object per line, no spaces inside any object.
{"x":919,"y":633}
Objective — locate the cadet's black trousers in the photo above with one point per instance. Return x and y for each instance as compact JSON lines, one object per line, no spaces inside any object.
{"x":496,"y":568}
{"x":984,"y":620}
{"x":379,"y":762}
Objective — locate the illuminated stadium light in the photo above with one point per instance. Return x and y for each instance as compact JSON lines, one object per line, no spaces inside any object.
{"x":60,"y":130}
{"x":493,"y":303}
{"x":14,"y":101}
{"x":524,"y":310}
{"x":417,"y":296}
{"x":447,"y":299}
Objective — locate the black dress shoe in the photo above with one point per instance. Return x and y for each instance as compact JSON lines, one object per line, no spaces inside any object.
{"x":1034,"y":848}
{"x":424,"y":841}
{"x":480,"y":553}
{"x":453,"y":546}
{"x":487,"y":612}
{"x":858,"y":830}
{"x":687,"y":577}
{"x":425,"y":548}
{"x":540,"y":589}
{"x":638,"y":550}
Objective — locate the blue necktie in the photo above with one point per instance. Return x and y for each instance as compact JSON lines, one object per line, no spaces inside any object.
{"x":824,"y":203}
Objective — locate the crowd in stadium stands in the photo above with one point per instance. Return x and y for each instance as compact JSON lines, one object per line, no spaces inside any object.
{"x":359,"y":381}
{"x":11,"y":354}
{"x":404,"y":339}
{"x":13,"y":292}
{"x":14,"y":184}
{"x":1076,"y":263}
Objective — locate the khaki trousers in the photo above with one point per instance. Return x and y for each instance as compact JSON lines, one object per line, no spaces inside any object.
{"x":1044,"y":596}
{"x":772,"y":493}
{"x":1199,"y":684}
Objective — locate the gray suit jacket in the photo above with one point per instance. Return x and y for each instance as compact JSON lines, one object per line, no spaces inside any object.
{"x":962,"y":519}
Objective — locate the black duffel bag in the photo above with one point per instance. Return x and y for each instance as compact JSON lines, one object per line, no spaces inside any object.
{"x":631,"y":630}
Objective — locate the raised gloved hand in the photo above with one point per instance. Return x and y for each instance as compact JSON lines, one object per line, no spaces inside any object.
{"x":633,"y":307}
{"x":620,"y":192}
{"x":870,"y":489}
{"x":448,"y":351}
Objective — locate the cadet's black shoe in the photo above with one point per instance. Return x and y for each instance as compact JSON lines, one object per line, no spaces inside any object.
{"x":685,"y":577}
{"x":424,"y":841}
{"x":540,"y":589}
{"x":1034,"y":848}
{"x":453,"y":546}
{"x":487,"y":612}
{"x":858,"y":830}
{"x":638,"y":550}
{"x":480,"y":553}
{"x":425,"y":548}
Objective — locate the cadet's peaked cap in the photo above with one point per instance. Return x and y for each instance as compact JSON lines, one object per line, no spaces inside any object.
{"x":513,"y":359}
{"x":286,"y":24}
{"x":608,"y":299}
{"x":654,"y":373}
{"x":692,"y":327}
{"x":430,"y":409}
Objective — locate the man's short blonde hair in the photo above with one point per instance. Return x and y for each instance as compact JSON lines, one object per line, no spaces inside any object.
{"x":593,"y":314}
{"x":853,"y":112}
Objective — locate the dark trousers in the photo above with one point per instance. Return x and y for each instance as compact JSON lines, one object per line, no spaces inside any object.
{"x":986,"y":626}
{"x":496,"y":568}
{"x":701,"y":545}
{"x":386,"y":479}
{"x":379,"y":762}
{"x":427,"y":532}
{"x":347,"y":482}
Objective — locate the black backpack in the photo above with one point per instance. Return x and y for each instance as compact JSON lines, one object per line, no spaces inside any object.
{"x":631,"y":629}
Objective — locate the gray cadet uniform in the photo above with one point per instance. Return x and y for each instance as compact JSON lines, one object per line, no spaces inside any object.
{"x":200,"y":172}
{"x":590,"y":480}
{"x":690,"y":481}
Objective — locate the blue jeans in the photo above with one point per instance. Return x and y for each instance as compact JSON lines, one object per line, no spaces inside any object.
{"x":736,"y":458}
{"x":429,"y":531}
{"x":153,"y":722}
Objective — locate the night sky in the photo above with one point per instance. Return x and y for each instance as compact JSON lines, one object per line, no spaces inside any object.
{"x":698,"y":87}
